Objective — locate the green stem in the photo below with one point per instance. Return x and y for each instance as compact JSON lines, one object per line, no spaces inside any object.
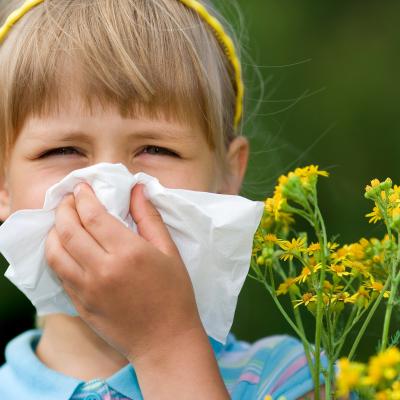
{"x":389,"y":308}
{"x":386,"y":323}
{"x":306,"y":345}
{"x":388,"y":314}
{"x":352,"y":320}
{"x":367,"y":320}
{"x":284,"y":313}
{"x":330,"y":379}
{"x":348,"y":284}
{"x":318,"y":330}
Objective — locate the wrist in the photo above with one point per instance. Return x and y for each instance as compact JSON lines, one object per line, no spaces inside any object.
{"x":181,"y":367}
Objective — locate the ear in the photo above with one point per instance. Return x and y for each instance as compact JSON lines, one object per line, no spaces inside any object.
{"x":5,"y":206}
{"x":237,"y":157}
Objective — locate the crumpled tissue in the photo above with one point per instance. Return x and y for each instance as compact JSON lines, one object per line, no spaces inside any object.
{"x":213,"y":233}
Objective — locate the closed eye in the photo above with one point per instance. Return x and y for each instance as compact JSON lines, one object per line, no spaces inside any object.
{"x":157,"y":150}
{"x":60,"y":151}
{"x":69,"y":150}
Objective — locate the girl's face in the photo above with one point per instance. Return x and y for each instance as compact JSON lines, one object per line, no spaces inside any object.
{"x":49,"y":148}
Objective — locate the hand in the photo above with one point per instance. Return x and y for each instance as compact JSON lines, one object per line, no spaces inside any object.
{"x":132,"y":289}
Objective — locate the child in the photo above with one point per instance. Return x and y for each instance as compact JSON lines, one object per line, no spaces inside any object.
{"x":155,"y":85}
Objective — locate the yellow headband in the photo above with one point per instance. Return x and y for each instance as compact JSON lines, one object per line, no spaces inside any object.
{"x":218,"y":29}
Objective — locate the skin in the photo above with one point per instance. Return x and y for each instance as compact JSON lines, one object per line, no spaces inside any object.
{"x":132,"y":291}
{"x":109,"y":272}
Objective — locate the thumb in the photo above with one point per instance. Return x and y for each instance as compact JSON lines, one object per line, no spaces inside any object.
{"x":149,"y":222}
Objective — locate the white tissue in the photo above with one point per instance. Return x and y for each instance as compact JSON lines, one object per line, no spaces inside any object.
{"x":213,"y":233}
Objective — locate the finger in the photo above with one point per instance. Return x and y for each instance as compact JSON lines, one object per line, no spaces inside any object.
{"x":107,"y":230}
{"x":149,"y":222}
{"x":60,"y":261}
{"x":81,"y":246}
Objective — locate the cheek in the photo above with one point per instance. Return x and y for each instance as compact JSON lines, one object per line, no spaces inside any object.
{"x":202,"y":177}
{"x":28,"y":191}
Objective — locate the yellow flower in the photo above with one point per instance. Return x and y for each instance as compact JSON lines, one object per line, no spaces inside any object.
{"x":349,"y":376}
{"x":306,"y":272}
{"x":395,"y":395}
{"x":257,"y":243}
{"x":327,"y":286}
{"x":396,"y":390}
{"x":273,"y":205}
{"x":395,"y":214}
{"x":306,"y":298}
{"x":313,"y":247}
{"x":283,"y":287}
{"x":273,"y":208}
{"x":396,"y":385}
{"x":377,"y":187}
{"x":391,"y":356}
{"x":378,"y":286}
{"x":295,"y":246}
{"x":271,"y":238}
{"x":357,"y":251}
{"x":343,"y":296}
{"x":339,"y":270}
{"x":268,"y":397}
{"x":313,"y":169}
{"x":359,"y":268}
{"x":332,"y":246}
{"x":353,"y":251}
{"x":310,"y":170}
{"x":307,"y":175}
{"x":380,"y":363}
{"x":361,"y":297}
{"x":374,"y":216}
{"x":374,"y":184}
{"x":394,"y":197}
{"x":389,"y":373}
{"x":382,"y":395}
{"x":378,"y":259}
{"x":282,"y":180}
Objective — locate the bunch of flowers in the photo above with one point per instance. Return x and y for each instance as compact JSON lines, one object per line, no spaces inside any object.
{"x":340,"y":285}
{"x":377,"y":380}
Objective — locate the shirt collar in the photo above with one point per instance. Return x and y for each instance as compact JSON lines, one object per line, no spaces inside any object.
{"x":39,"y":381}
{"x":44,"y":383}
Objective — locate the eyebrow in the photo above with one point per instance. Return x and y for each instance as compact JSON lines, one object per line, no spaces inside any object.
{"x":153,"y":134}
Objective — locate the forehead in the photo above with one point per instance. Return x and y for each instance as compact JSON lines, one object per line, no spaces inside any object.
{"x":74,"y":120}
{"x":72,"y":97}
{"x":73,"y":102}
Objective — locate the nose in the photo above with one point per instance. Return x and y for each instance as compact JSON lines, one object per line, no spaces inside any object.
{"x":115,"y":156}
{"x":111,"y":156}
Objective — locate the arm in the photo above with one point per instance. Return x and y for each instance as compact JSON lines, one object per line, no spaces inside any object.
{"x":183,"y":369}
{"x":135,"y":292}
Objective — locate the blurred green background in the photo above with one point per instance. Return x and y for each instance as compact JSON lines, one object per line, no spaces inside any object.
{"x":331,"y":97}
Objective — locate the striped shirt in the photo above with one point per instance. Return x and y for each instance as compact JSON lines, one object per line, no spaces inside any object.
{"x":274,"y":366}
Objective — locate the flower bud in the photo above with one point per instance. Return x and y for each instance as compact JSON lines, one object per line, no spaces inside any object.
{"x":361,"y":302}
{"x":292,"y":189}
{"x":395,"y":224}
{"x":371,"y":192}
{"x":260,"y":260}
{"x":312,"y":307}
{"x":267,"y":252}
{"x":294,"y":290}
{"x":338,"y":306}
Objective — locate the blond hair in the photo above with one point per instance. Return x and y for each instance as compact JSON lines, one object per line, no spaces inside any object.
{"x":151,"y":57}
